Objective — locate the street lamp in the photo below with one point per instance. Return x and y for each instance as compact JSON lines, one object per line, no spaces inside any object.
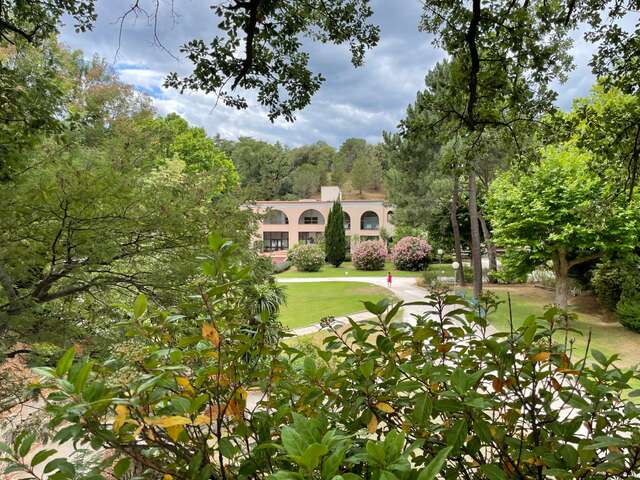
{"x":455,"y":266}
{"x":440,"y":252}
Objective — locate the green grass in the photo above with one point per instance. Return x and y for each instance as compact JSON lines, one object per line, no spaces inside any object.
{"x":608,"y":337}
{"x":348,"y":270}
{"x":307,"y":303}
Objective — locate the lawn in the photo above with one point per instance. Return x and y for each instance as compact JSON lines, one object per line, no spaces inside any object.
{"x":307,"y":303}
{"x":608,"y":337}
{"x":347,"y":269}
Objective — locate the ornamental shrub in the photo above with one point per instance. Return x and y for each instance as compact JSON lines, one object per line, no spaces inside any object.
{"x":612,"y":278}
{"x":369,"y":255}
{"x":307,"y":257}
{"x":411,"y":253}
{"x":628,"y":312}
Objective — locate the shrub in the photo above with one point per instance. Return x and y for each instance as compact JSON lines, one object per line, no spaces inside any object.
{"x":281,"y":267}
{"x":411,"y":253}
{"x":369,"y":255}
{"x":307,"y":258}
{"x":335,"y":240}
{"x":613,"y":277}
{"x":628,"y":312}
{"x":413,"y":404}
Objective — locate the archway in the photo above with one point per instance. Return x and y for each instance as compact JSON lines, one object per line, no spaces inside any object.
{"x":369,"y":221}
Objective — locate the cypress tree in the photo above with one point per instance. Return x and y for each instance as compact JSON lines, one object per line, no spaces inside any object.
{"x":334,"y":238}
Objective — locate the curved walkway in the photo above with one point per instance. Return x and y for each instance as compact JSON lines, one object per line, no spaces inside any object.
{"x":404,"y":288}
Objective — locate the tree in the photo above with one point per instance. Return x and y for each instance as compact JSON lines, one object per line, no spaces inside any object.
{"x":560,"y":212}
{"x":361,"y":174}
{"x":350,"y":150}
{"x":306,"y":180}
{"x":335,"y":241}
{"x":264,"y":169}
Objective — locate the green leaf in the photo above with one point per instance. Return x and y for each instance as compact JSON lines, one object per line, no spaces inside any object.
{"x":82,"y":376}
{"x":121,"y":467}
{"x":600,"y":357}
{"x":311,"y":456}
{"x":139,"y":306}
{"x":375,"y":452}
{"x":493,"y":472}
{"x":377,"y":308}
{"x":422,"y":408}
{"x":435,"y":465}
{"x":292,"y":441}
{"x":41,"y":456}
{"x":227,"y":448}
{"x":26,"y":443}
{"x":366,"y":368}
{"x":65,"y":362}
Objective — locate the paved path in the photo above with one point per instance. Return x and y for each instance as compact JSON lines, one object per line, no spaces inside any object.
{"x":404,"y":288}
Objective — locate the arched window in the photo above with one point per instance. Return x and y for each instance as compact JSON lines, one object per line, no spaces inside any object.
{"x":311,"y":217}
{"x":369,"y":221}
{"x":347,"y":220}
{"x":276,"y":217}
{"x":390,"y":216}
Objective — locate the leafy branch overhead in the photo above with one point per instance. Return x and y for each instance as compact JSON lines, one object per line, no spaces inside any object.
{"x":262,"y":49}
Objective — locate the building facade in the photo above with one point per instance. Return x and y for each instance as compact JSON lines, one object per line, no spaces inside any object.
{"x":286,"y":223}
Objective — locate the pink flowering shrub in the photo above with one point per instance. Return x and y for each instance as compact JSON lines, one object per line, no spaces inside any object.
{"x":369,"y":255}
{"x":411,"y":253}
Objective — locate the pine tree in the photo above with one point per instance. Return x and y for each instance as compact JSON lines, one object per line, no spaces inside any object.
{"x":335,"y":240}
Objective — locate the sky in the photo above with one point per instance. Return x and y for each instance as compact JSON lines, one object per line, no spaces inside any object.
{"x":361,"y":102}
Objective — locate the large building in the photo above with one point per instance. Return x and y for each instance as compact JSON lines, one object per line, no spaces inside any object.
{"x":286,"y":223}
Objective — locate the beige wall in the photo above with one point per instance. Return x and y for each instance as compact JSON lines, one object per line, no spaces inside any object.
{"x":294,"y":210}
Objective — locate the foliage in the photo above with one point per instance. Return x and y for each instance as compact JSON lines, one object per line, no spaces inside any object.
{"x":411,"y":253}
{"x":264,"y":168}
{"x":259,"y":48}
{"x":628,"y":311}
{"x":438,"y":398}
{"x":613,"y":277}
{"x":369,"y":255}
{"x":335,"y":239}
{"x":307,"y":257}
{"x":282,"y":266}
{"x":361,"y":174}
{"x":112,"y":202}
{"x":560,"y":211}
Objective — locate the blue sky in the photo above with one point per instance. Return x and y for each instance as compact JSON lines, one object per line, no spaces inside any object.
{"x":352,"y":102}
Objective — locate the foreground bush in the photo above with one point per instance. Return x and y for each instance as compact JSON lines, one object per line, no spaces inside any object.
{"x":411,"y":253}
{"x":307,"y":257}
{"x":437,"y":398}
{"x":369,"y":255}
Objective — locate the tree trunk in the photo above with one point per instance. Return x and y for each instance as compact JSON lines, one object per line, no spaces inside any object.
{"x":457,"y":244}
{"x":476,"y":256}
{"x":491,"y":248}
{"x":561,"y":270}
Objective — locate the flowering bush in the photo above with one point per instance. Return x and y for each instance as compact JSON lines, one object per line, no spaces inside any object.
{"x":369,"y":255}
{"x":411,"y":253}
{"x":307,"y":258}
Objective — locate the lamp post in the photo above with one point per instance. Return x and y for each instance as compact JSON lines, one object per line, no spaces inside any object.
{"x":440,"y":252}
{"x":455,"y":266}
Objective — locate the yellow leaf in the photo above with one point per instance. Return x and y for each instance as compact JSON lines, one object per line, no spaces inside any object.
{"x":122,"y":413}
{"x":443,"y":347}
{"x":166,"y":476}
{"x":171,"y":421}
{"x":174,"y":432}
{"x":210,"y":333}
{"x":242,"y":394}
{"x":202,"y":420}
{"x":385,"y":407}
{"x":185,"y":384}
{"x":373,"y":424}
{"x":541,"y":357}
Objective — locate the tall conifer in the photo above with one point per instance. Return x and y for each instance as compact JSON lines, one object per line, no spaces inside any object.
{"x":335,"y":240}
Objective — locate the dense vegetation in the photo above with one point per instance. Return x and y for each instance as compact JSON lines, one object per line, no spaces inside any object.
{"x":105,"y":204}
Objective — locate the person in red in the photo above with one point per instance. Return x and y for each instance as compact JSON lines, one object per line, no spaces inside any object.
{"x":389,"y":278}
